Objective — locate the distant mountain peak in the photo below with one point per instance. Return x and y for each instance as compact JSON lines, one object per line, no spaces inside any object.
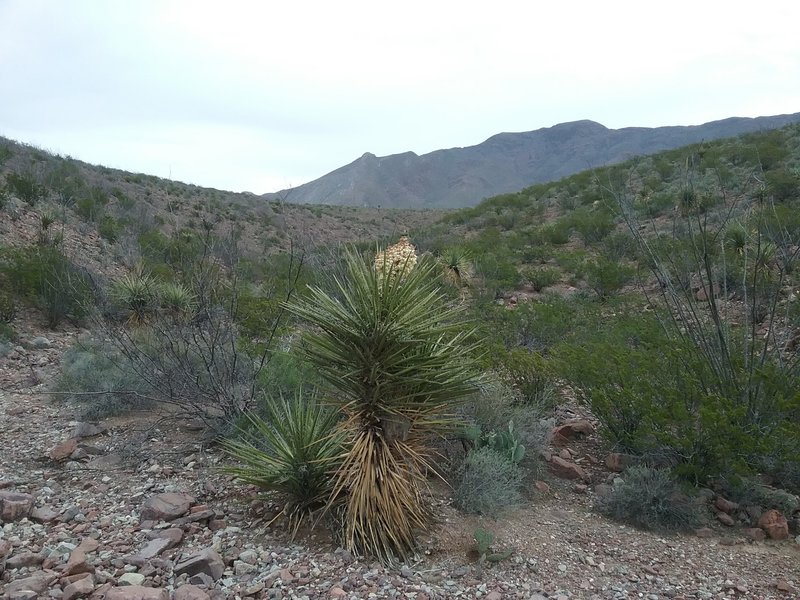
{"x":505,"y":162}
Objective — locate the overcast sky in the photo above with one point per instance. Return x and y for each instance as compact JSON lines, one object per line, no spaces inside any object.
{"x":266,"y":95}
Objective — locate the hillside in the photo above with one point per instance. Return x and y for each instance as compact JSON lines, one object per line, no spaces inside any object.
{"x":504,"y":163}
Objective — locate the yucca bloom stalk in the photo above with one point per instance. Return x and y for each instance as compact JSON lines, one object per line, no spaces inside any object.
{"x":395,"y":360}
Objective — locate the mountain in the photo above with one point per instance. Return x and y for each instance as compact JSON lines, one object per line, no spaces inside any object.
{"x":506,"y":162}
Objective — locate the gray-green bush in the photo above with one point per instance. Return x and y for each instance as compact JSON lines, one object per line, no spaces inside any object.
{"x":488,"y":483}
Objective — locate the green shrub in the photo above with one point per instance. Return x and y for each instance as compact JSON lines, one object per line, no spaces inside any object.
{"x":46,"y":277}
{"x":101,"y":381}
{"x":541,"y":277}
{"x":592,"y":225}
{"x":293,"y":448}
{"x":25,"y":187}
{"x":607,"y":277}
{"x":488,"y":483}
{"x":109,"y":228}
{"x":137,"y":293}
{"x":8,"y":308}
{"x":651,"y":499}
{"x":748,"y":491}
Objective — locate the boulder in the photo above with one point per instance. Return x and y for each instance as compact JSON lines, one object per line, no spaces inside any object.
{"x":81,"y":588}
{"x":775,"y":524}
{"x":567,"y":469}
{"x":618,"y":462}
{"x":166,"y":507}
{"x":726,"y":506}
{"x":190,"y":592}
{"x":206,"y":561}
{"x":571,"y":430}
{"x":63,"y":450}
{"x":14,"y":506}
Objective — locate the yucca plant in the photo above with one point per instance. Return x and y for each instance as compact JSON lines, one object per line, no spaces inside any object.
{"x":395,"y":360}
{"x":457,"y":266}
{"x":136,"y":292}
{"x":292,"y":449}
{"x":177,"y":300}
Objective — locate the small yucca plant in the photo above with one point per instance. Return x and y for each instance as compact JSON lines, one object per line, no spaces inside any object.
{"x":136,"y":292}
{"x":395,"y":360}
{"x":291,"y":449}
{"x":457,"y":267}
{"x":177,"y":300}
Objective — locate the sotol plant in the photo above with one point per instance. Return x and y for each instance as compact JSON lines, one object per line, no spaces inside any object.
{"x":395,"y":359}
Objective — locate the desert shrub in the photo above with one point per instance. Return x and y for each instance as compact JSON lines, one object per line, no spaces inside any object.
{"x":488,"y":483}
{"x":25,"y":187}
{"x":592,"y":225}
{"x":136,"y":293}
{"x":8,"y":308}
{"x":498,"y":272}
{"x":541,"y":277}
{"x":45,"y":276}
{"x":748,"y":491}
{"x":291,"y":448}
{"x":651,"y":499}
{"x":529,"y":375}
{"x":287,"y":374}
{"x":101,"y":381}
{"x":607,"y":277}
{"x":556,"y":233}
{"x":618,"y":246}
{"x":176,"y":300}
{"x":109,"y":228}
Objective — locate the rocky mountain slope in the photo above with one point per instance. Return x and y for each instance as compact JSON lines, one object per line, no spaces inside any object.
{"x":504,"y":163}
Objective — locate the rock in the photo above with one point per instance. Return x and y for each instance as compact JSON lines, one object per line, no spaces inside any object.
{"x":704,"y":532}
{"x":580,"y":488}
{"x":726,"y":519}
{"x":337,"y":592}
{"x":131,"y":579}
{"x":775,"y":524}
{"x":37,"y":583}
{"x":494,"y":596}
{"x":173,"y":535}
{"x":541,"y":486}
{"x":618,"y":462}
{"x":43,"y":514}
{"x":783,"y":586}
{"x":63,"y":450}
{"x":84,"y":430}
{"x":153,"y":548}
{"x":14,"y":506}
{"x":206,"y":561}
{"x":571,"y":430}
{"x":192,"y":592}
{"x":166,"y":507}
{"x":567,"y":469}
{"x":136,"y":592}
{"x":77,"y":563}
{"x":755,"y":534}
{"x":25,"y":559}
{"x":726,"y":506}
{"x":79,"y":589}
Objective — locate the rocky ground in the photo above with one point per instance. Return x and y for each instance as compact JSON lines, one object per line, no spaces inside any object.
{"x":129,"y":509}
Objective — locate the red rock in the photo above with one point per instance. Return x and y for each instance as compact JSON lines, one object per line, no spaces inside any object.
{"x":725,"y":519}
{"x":25,"y":559}
{"x":755,"y":534}
{"x":775,"y":524}
{"x":166,"y":507}
{"x":190,"y":592}
{"x":618,"y":462}
{"x":494,"y":596}
{"x":580,"y":488}
{"x":39,"y":583}
{"x":77,"y":563}
{"x":63,"y":450}
{"x":173,"y":534}
{"x":565,"y":454}
{"x":783,"y":586}
{"x":5,"y":548}
{"x":726,"y":506}
{"x":136,"y":592}
{"x":206,"y":561}
{"x":89,"y":545}
{"x":198,"y":508}
{"x":566,"y":469}
{"x":541,"y":486}
{"x":79,"y":589}
{"x":14,"y":506}
{"x":337,"y":592}
{"x":286,"y":576}
{"x":217,"y":524}
{"x":571,"y":430}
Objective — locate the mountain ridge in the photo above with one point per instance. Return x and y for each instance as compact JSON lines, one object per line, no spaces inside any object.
{"x":504,"y":162}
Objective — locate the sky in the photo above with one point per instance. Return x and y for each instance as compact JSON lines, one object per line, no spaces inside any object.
{"x":261,"y":95}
